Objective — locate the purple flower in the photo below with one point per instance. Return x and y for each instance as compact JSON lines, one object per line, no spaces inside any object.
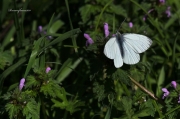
{"x":48,"y":69}
{"x":130,"y":24}
{"x":106,"y":29}
{"x":21,"y":84}
{"x":40,"y":29}
{"x":173,"y":84}
{"x":166,"y":93}
{"x":49,"y":37}
{"x":179,"y":99}
{"x":113,"y":35}
{"x":44,"y":32}
{"x":89,"y":40}
{"x":168,"y":12}
{"x":162,"y":1}
{"x":145,"y":16}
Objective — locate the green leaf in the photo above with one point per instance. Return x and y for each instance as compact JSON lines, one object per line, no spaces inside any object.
{"x":34,"y":53}
{"x":12,"y":110}
{"x":86,"y":11}
{"x":4,"y":9}
{"x":119,"y":10}
{"x":6,"y":59}
{"x":55,"y":26}
{"x":50,"y":88}
{"x":121,"y":75}
{"x":31,"y":109}
{"x":8,"y":37}
{"x":69,"y":65}
{"x":61,"y":38}
{"x":160,"y":82}
{"x":50,"y":23}
{"x":31,"y":82}
{"x":108,"y":114}
{"x":127,"y":105}
{"x":142,"y":113}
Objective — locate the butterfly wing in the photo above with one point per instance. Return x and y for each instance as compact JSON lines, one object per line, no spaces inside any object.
{"x":138,"y":43}
{"x":132,"y":45}
{"x":112,"y":51}
{"x":130,"y":56}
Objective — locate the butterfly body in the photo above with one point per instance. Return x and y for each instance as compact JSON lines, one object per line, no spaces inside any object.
{"x":126,"y":48}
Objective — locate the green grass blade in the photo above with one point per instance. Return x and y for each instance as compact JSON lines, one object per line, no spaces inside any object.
{"x":69,"y":17}
{"x":4,"y":9}
{"x":160,"y":81}
{"x":68,"y":66}
{"x":55,"y":26}
{"x":62,"y":37}
{"x":108,"y":114}
{"x":8,"y":37}
{"x":100,"y":16}
{"x":34,"y":53}
{"x":50,"y":23}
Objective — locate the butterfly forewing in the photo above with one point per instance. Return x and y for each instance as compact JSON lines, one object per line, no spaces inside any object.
{"x":112,"y":51}
{"x":109,"y":49}
{"x":139,"y":43}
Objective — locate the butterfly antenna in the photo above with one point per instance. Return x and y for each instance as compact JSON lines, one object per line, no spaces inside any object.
{"x":121,"y":24}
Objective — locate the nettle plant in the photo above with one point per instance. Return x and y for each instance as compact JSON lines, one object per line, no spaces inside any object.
{"x":34,"y":92}
{"x":99,"y":90}
{"x":38,"y":92}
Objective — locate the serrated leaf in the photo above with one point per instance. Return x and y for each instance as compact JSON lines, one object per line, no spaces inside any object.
{"x":142,"y":113}
{"x":121,"y":75}
{"x":31,"y":82}
{"x":118,"y":9}
{"x":86,"y":12}
{"x":50,"y":88}
{"x":31,"y":109}
{"x":12,"y":110}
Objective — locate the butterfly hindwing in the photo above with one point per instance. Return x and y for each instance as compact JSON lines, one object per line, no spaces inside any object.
{"x":130,"y":56}
{"x":118,"y":61}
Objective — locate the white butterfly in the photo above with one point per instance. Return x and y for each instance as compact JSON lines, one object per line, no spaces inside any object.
{"x":126,"y":48}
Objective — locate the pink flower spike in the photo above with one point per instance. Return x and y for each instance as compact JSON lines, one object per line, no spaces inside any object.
{"x":113,"y":35}
{"x":150,"y":11}
{"x":106,"y":29}
{"x":179,"y":99}
{"x":174,"y":84}
{"x":166,"y":93}
{"x":168,"y":12}
{"x":48,"y":69}
{"x":39,"y":29}
{"x":144,"y":18}
{"x":162,"y":1}
{"x":21,"y":84}
{"x":130,"y":24}
{"x":89,"y":40}
{"x":86,"y":36}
